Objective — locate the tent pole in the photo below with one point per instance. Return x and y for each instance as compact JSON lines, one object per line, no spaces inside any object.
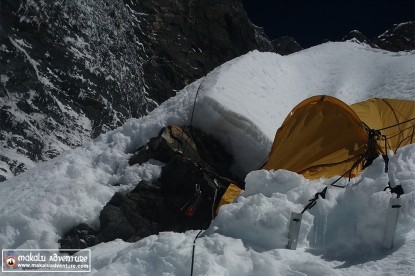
{"x":294,"y":230}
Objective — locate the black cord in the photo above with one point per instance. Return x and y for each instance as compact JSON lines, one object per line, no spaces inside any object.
{"x":197,"y":236}
{"x":397,"y":124}
{"x":313,"y":201}
{"x":194,"y":102}
{"x":400,"y":132}
{"x":191,"y":118}
{"x":193,"y":251}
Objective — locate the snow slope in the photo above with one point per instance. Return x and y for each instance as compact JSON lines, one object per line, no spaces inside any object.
{"x":242,"y":103}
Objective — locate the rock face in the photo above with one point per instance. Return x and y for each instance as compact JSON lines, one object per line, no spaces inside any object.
{"x":358,"y":37}
{"x":401,"y":37}
{"x":184,"y":197}
{"x":72,"y":69}
{"x":286,"y":45}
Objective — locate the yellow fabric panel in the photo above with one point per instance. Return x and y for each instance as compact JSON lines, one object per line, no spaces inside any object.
{"x":327,"y":99}
{"x":383,"y":113}
{"x":321,"y":137}
{"x":230,"y":194}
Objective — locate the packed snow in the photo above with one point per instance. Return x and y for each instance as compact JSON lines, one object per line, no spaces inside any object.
{"x":241,"y":103}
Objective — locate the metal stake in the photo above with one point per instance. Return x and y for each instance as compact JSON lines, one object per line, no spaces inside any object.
{"x":391,"y":222}
{"x":294,"y":230}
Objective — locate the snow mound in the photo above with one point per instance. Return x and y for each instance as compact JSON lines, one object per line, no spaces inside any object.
{"x":341,"y":235}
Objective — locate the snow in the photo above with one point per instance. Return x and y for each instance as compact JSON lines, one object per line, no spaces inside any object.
{"x":4,"y":79}
{"x":19,"y":44}
{"x":341,"y":235}
{"x":241,"y":103}
{"x":277,"y":83}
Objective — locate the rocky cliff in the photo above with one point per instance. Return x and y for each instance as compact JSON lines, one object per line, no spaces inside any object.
{"x":72,"y":69}
{"x":401,"y":37}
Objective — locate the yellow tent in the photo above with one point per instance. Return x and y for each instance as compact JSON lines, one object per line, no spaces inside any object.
{"x":395,"y":120}
{"x":321,"y":137}
{"x":324,"y":137}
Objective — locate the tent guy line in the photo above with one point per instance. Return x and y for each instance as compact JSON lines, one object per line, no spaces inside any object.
{"x":337,"y":139}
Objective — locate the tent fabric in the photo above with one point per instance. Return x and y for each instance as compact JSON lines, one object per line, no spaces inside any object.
{"x":324,"y":137}
{"x":230,"y":194}
{"x":394,"y":118}
{"x":321,"y":137}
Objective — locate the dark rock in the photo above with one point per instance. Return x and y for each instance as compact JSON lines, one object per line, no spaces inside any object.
{"x":358,"y":37}
{"x":79,"y":237}
{"x":123,"y":217}
{"x":182,"y":198}
{"x":189,"y":39}
{"x":264,"y":44}
{"x":401,"y":37}
{"x":185,"y":141}
{"x":286,"y":45}
{"x":161,"y":205}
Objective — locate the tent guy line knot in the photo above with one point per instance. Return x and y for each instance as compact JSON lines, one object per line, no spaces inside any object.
{"x":398,"y":190}
{"x":313,"y":201}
